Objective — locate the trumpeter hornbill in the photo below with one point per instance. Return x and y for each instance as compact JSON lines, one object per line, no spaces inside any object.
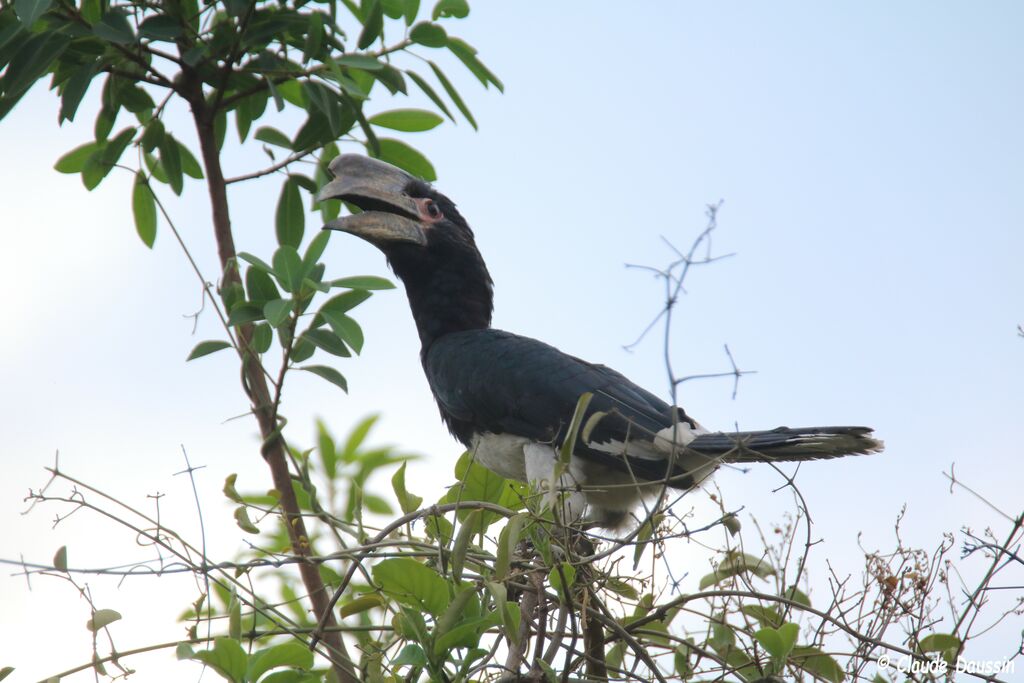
{"x":510,"y":399}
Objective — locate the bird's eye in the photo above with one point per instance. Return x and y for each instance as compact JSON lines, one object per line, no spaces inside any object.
{"x":433,"y":210}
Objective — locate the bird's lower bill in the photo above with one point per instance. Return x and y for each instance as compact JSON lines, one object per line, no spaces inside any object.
{"x":380,"y":227}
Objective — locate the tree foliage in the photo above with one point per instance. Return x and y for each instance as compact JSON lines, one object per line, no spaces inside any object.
{"x":487,"y":581}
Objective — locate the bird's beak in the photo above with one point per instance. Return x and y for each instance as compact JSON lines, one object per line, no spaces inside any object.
{"x":378,"y":188}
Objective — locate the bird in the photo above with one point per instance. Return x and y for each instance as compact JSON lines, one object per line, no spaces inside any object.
{"x":511,"y":400}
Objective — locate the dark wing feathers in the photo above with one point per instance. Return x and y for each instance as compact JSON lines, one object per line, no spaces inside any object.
{"x":494,"y":381}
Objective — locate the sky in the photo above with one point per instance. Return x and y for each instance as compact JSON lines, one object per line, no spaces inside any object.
{"x":869,"y":159}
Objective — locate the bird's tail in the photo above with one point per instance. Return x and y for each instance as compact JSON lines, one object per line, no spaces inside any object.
{"x":785,"y":444}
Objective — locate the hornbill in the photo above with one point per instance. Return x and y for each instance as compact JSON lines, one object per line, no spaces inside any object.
{"x":510,"y":399}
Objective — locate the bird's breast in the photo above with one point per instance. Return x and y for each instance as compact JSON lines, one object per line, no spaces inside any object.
{"x":501,"y":453}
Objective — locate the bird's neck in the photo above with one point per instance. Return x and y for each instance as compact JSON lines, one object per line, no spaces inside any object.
{"x":448,"y":293}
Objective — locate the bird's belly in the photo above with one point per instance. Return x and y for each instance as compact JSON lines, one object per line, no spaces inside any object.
{"x":501,"y":454}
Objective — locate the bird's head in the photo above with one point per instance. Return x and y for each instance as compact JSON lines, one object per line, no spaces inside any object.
{"x":426,"y":240}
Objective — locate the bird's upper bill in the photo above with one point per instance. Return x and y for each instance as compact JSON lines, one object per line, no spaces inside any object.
{"x":389,"y":214}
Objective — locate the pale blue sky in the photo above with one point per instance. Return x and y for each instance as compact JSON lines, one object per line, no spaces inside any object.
{"x":869,"y":155}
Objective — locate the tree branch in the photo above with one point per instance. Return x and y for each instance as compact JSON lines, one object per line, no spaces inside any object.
{"x":273,"y":448}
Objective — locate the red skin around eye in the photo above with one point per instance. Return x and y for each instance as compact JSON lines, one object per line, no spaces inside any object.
{"x":425,"y":205}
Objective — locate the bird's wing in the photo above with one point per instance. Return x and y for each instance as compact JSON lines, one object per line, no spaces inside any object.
{"x":498,"y":382}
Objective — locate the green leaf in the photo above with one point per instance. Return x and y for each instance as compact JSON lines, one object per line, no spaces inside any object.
{"x":74,"y":90}
{"x":245,"y":313}
{"x":732,"y":523}
{"x":682,"y":661}
{"x":476,"y":482}
{"x":205,"y":348}
{"x":101,"y":618}
{"x":620,"y":587}
{"x":314,"y":131}
{"x":60,"y":559}
{"x":291,"y":217}
{"x":288,"y":268}
{"x":104,"y":124}
{"x":376,"y":504}
{"x":428,"y":34}
{"x":411,"y":655}
{"x":29,"y":63}
{"x":939,"y":642}
{"x":183,"y":651}
{"x":292,"y":654}
{"x":342,"y":303}
{"x":412,"y":583}
{"x":363,"y":282}
{"x":262,"y":337}
{"x":460,"y":626}
{"x":430,"y":92}
{"x":453,"y":93}
{"x":155,"y":169}
{"x":405,"y":157}
{"x":234,"y":616}
{"x":5,"y":672}
{"x":113,"y":150}
{"x":438,"y":529}
{"x":467,"y":55}
{"x":394,"y":9}
{"x":276,"y":311}
{"x":243,"y":521}
{"x":407,"y":120}
{"x":328,"y":341}
{"x":75,"y":160}
{"x":189,"y":164}
{"x":314,"y":36}
{"x":450,"y":8}
{"x":407,"y":501}
{"x":273,"y":136}
{"x":767,"y":617}
{"x":412,"y":8}
{"x":260,"y":286}
{"x":229,"y":489}
{"x":30,"y":10}
{"x":797,"y":595}
{"x":153,"y":135}
{"x":327,"y":450}
{"x":326,"y":101}
{"x":364,"y":62}
{"x":373,"y":25}
{"x":91,"y":10}
{"x":314,"y":251}
{"x":722,"y":637}
{"x":275,"y":93}
{"x":560,"y":587}
{"x":144,"y":210}
{"x":132,"y":97}
{"x":226,"y":657}
{"x":345,"y":327}
{"x":170,"y":159}
{"x":817,"y":663}
{"x":778,"y":642}
{"x":361,"y":604}
{"x":303,"y":349}
{"x":461,"y":546}
{"x":947,"y":645}
{"x":507,"y":541}
{"x":350,"y":451}
{"x":161,"y":27}
{"x":114,"y":27}
{"x":329,"y":374}
{"x":734,"y":564}
{"x":236,"y":8}
{"x":569,"y":443}
{"x":256,"y":262}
